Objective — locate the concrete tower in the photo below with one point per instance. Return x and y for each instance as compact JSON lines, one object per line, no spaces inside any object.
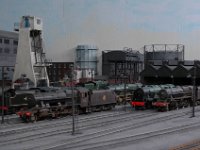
{"x":30,"y":67}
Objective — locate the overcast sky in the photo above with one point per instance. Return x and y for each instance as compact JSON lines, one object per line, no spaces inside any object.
{"x":109,"y":24}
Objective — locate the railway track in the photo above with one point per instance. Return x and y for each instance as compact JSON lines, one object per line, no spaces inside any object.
{"x":66,"y":128}
{"x":62,"y":131}
{"x":81,"y":139}
{"x":72,"y":142}
{"x":117,"y":142}
{"x":6,"y":129}
{"x":12,"y":121}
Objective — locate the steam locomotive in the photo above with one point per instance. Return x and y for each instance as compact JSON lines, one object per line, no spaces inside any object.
{"x":45,"y":102}
{"x":174,"y":98}
{"x":164,"y":97}
{"x":38,"y":103}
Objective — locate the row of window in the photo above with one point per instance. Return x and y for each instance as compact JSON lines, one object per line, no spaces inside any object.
{"x":7,"y":50}
{"x":7,"y":41}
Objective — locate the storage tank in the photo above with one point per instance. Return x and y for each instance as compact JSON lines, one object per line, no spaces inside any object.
{"x":86,"y":57}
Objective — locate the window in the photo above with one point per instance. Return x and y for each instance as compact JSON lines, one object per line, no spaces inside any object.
{"x":6,"y":50}
{"x":15,"y":51}
{"x":15,"y":42}
{"x":38,"y":21}
{"x":6,"y":41}
{"x":1,"y":50}
{"x":0,"y":40}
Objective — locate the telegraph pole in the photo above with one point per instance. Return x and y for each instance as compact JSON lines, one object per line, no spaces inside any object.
{"x":194,"y":90}
{"x":2,"y":97}
{"x":73,"y":103}
{"x":125,"y":93}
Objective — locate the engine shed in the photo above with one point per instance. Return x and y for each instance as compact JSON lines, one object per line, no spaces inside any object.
{"x":165,"y":64}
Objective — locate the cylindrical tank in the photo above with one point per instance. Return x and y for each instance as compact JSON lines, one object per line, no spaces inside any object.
{"x":86,"y":57}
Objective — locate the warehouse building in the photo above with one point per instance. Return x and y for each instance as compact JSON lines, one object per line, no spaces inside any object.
{"x":58,"y":72}
{"x":8,"y":51}
{"x":164,"y":63}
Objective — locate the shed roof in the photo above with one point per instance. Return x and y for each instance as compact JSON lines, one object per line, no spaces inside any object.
{"x":150,"y":71}
{"x":165,"y":71}
{"x":181,"y":71}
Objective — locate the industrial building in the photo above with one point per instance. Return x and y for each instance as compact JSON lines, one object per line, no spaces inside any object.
{"x":120,"y":65}
{"x":58,"y":71}
{"x":160,"y":63}
{"x":85,"y":61}
{"x":8,"y":51}
{"x":164,"y":63}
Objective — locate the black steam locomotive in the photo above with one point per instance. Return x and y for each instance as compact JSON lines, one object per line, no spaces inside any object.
{"x":164,"y":97}
{"x":38,"y":103}
{"x":174,"y":98}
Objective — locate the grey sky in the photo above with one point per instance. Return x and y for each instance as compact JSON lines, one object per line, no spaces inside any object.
{"x":109,"y":24}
